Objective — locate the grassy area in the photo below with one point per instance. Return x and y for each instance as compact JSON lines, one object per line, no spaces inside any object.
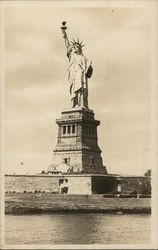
{"x":32,"y":203}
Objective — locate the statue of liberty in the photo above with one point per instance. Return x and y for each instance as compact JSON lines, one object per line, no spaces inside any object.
{"x":79,"y":70}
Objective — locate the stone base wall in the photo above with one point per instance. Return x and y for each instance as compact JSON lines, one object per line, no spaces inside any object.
{"x":77,"y":184}
{"x":75,"y":159}
{"x":92,"y":158}
{"x":92,"y":163}
{"x":21,"y":183}
{"x":88,"y":162}
{"x":78,"y":142}
{"x":50,"y":184}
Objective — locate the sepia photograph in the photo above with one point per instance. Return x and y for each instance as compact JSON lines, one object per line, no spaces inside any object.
{"x":78,"y":134}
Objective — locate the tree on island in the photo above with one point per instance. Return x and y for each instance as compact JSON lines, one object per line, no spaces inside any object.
{"x":148,"y":172}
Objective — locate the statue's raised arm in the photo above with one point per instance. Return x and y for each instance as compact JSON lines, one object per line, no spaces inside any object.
{"x":79,"y":70}
{"x":64,"y":28}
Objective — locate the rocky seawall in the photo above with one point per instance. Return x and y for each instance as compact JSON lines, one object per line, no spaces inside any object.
{"x":26,"y":203}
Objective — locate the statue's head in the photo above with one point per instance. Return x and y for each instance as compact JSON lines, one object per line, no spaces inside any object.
{"x":77,"y":46}
{"x":77,"y":49}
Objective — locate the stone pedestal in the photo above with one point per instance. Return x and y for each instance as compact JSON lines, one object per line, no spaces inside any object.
{"x":77,"y":149}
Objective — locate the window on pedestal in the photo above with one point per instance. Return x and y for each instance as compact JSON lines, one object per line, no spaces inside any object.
{"x":69,"y":129}
{"x":73,"y":128}
{"x":66,"y":161}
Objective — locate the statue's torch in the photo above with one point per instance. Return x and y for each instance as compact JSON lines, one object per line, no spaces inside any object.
{"x":64,"y":28}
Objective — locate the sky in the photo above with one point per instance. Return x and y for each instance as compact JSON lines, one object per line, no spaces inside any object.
{"x":117,"y":41}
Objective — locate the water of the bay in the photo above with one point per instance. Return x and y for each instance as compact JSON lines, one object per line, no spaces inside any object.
{"x":78,"y":229}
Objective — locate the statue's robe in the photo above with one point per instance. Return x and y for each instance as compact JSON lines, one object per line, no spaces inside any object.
{"x":77,"y":73}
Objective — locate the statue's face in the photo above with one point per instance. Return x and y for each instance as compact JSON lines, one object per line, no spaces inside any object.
{"x":78,"y":49}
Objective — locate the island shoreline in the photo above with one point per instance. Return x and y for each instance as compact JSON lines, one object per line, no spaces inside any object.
{"x":50,"y":203}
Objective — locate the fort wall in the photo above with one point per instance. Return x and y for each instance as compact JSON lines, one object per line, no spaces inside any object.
{"x":77,"y":184}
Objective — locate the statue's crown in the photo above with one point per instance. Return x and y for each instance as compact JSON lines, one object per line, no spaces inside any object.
{"x":77,"y":43}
